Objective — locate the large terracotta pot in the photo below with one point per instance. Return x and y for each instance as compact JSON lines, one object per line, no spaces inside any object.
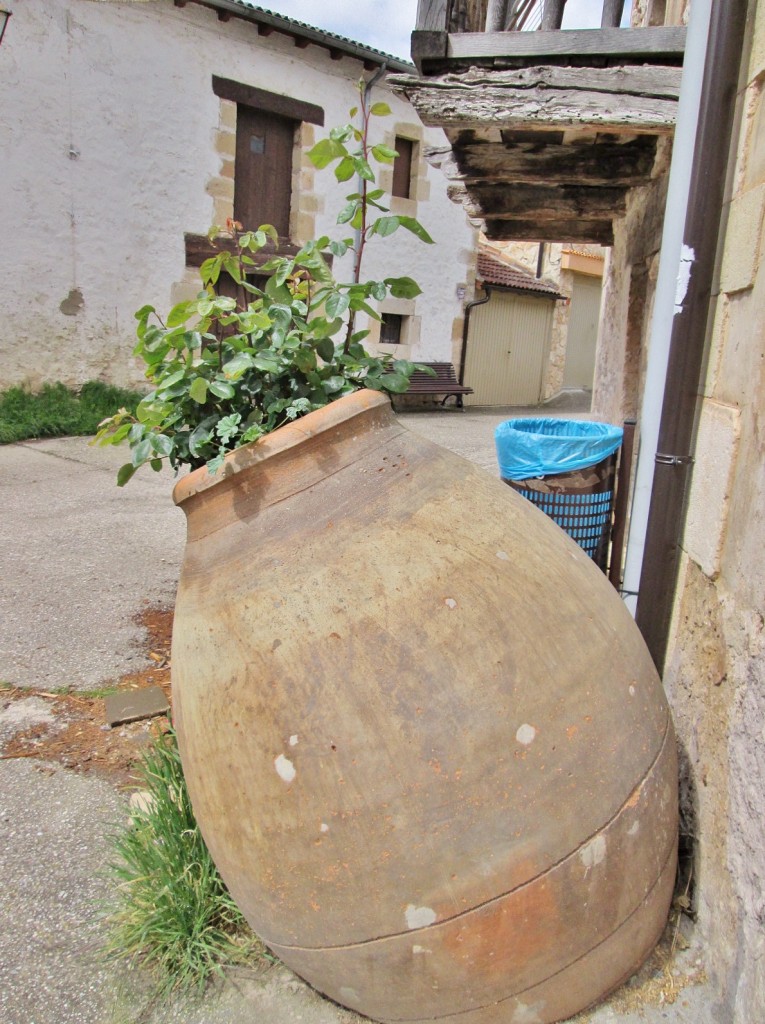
{"x":423,"y":737}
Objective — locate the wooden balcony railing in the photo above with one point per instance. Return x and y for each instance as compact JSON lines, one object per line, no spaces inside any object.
{"x":503,"y":15}
{"x":452,"y":32}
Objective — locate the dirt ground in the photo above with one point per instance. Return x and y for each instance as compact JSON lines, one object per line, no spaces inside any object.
{"x":76,"y":735}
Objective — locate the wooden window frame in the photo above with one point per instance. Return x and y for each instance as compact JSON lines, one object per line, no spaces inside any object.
{"x":403,"y":167}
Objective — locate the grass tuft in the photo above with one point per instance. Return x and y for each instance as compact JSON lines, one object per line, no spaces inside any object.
{"x":171,"y":910}
{"x":58,"y":411}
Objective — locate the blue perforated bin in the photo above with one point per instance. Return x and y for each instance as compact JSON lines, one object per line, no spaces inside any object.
{"x":567,"y":468}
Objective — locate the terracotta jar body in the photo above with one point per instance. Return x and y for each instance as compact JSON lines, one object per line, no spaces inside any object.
{"x":423,"y":737}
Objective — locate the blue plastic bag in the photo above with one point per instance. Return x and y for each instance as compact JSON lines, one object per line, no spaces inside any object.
{"x":547,"y":447}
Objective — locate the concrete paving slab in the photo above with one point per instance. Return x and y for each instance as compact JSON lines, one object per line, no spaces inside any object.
{"x":133,"y":705}
{"x":81,"y":557}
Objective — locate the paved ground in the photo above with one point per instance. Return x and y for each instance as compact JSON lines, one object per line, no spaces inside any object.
{"x":80,"y":559}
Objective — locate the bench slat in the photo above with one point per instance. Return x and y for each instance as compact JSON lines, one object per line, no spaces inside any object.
{"x":444,"y":383}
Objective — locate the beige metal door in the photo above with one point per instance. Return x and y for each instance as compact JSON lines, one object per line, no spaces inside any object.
{"x":508,"y":346}
{"x":582,"y":337}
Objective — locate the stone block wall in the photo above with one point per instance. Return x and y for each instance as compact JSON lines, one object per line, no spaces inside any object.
{"x":716,"y":665}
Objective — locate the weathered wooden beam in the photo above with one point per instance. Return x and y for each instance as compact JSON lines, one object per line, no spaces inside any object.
{"x":627,"y":43}
{"x":432,"y":15}
{"x":612,"y":13}
{"x":540,"y":202}
{"x":604,"y":163}
{"x":552,"y":14}
{"x":639,"y":100}
{"x":428,"y":47}
{"x":586,"y":231}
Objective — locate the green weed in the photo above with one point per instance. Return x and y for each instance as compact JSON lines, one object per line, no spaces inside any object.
{"x":58,"y":411}
{"x":171,"y":910}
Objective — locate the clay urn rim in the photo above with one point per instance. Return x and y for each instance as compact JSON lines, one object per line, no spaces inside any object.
{"x":281,"y":440}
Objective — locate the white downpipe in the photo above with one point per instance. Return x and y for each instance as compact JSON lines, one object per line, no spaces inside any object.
{"x":675,"y":264}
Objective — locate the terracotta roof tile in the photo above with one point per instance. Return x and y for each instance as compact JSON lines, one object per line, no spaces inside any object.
{"x":502,"y":275}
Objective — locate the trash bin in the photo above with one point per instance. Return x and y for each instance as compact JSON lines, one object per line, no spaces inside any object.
{"x":567,"y":468}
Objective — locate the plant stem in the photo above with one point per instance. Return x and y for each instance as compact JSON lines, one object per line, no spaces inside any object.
{"x":363,"y":230}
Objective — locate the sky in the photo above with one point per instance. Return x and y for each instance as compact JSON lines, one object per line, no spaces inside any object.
{"x":387,"y":24}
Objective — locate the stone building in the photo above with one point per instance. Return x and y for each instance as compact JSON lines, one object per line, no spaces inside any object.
{"x":130,"y":128}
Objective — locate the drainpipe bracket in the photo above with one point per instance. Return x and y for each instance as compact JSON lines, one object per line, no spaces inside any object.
{"x":673,"y":460}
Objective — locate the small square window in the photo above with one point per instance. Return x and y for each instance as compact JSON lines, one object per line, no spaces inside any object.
{"x":402,"y":168}
{"x":391,"y":329}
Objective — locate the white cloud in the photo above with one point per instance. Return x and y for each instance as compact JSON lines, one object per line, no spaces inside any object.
{"x":387,"y":24}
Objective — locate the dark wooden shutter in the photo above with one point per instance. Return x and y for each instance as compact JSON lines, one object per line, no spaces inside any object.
{"x":390,"y":329}
{"x":263,"y":172}
{"x":402,"y":168}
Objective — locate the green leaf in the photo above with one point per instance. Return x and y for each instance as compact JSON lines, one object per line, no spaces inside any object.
{"x":345,"y":169}
{"x":161,"y":444}
{"x":338,"y":248}
{"x":380,"y":109}
{"x":228,"y":427}
{"x":141,"y":452}
{"x":278,"y":292}
{"x":325,"y":151}
{"x":198,"y":390}
{"x":378,"y":290}
{"x":222,"y":389}
{"x":384,"y":154}
{"x":235,"y":367}
{"x":326,"y":349}
{"x":305,"y":360}
{"x":169,"y":381}
{"x":180,"y":313}
{"x":416,"y":228}
{"x":124,"y":474}
{"x":334,"y":383}
{"x":156,"y":465}
{"x":337,"y":304}
{"x":403,"y":287}
{"x":396,"y":382}
{"x":362,"y":168}
{"x":386,"y":225}
{"x":347,"y":213}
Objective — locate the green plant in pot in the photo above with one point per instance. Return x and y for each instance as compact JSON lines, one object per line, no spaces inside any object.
{"x":227,"y":371}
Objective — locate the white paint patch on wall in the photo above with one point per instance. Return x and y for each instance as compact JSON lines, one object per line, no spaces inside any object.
{"x":419,"y":917}
{"x":526,"y":734}
{"x":593,"y":853}
{"x":285,"y":768}
{"x":109,"y":121}
{"x":687,"y":259}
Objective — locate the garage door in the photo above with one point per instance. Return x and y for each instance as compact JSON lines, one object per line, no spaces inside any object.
{"x":508,"y":347}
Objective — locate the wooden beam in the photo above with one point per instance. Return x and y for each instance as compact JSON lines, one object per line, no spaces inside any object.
{"x":627,"y":43}
{"x":428,"y":46}
{"x":612,"y":13}
{"x":624,"y":99}
{"x":604,"y":163}
{"x":552,"y":14}
{"x":274,"y":103}
{"x":432,"y":15}
{"x":587,"y":231}
{"x":540,"y":202}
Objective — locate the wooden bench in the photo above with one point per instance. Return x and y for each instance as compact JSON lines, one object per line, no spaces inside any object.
{"x":444,"y":383}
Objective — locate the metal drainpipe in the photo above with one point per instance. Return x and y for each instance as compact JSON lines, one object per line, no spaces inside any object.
{"x":670,"y":267}
{"x":674,"y":458}
{"x":466,"y":327}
